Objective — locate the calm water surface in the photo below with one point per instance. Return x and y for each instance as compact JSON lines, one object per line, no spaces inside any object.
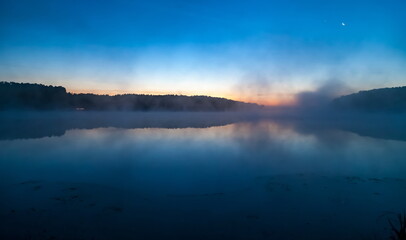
{"x":232,"y":177}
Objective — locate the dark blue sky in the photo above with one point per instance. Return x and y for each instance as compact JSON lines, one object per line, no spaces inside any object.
{"x":245,"y":49}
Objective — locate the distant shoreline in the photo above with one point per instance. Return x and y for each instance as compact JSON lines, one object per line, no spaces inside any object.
{"x":27,"y":96}
{"x":38,"y":97}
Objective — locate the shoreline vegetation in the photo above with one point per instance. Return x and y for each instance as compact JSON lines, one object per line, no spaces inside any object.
{"x":28,"y":96}
{"x":39,"y":97}
{"x":375,"y":100}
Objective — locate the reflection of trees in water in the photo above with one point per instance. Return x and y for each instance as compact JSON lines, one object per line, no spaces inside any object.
{"x":254,"y":128}
{"x":17,"y":125}
{"x":376,"y":126}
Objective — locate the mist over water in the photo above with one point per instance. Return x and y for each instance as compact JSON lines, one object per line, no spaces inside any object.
{"x":203,"y":120}
{"x":200,"y":175}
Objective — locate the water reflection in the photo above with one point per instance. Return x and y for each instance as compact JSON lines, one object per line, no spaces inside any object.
{"x":224,"y":176}
{"x":23,"y":125}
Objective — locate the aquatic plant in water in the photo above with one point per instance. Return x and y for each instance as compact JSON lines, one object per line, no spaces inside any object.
{"x":399,"y":233}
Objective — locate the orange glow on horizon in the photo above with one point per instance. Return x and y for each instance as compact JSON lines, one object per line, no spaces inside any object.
{"x":276,"y":100}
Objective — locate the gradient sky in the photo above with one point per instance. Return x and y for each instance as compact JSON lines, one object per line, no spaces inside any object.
{"x":259,"y":51}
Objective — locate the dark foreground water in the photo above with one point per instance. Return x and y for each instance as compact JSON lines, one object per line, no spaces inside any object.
{"x":199,"y":176}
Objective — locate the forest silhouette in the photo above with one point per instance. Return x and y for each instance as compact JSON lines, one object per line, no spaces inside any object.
{"x":27,"y":96}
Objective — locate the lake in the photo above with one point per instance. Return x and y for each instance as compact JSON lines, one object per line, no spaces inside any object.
{"x":200,"y":176}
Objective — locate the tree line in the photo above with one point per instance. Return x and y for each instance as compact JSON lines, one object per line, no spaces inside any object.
{"x":28,"y":96}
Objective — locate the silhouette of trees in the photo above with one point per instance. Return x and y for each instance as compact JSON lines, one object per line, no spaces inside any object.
{"x":32,"y":96}
{"x":383,"y":99}
{"x":40,"y":97}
